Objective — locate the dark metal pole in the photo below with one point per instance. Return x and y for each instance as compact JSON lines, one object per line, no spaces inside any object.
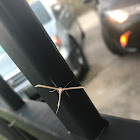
{"x":9,"y":96}
{"x":28,"y":44}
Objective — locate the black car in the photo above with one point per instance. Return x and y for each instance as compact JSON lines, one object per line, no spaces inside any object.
{"x":120,"y":22}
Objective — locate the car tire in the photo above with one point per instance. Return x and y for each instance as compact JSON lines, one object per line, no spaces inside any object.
{"x":85,"y":65}
{"x":83,"y":35}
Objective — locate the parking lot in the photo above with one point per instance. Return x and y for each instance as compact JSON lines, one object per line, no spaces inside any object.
{"x":113,"y":83}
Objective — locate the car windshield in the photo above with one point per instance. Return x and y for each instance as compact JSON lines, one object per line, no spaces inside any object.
{"x":41,"y":12}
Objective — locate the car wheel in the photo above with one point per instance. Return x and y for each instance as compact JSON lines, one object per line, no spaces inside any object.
{"x":81,"y":57}
{"x":83,"y":35}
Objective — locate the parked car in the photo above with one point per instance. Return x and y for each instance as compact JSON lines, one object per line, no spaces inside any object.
{"x":66,"y":33}
{"x":64,"y":30}
{"x":120,"y":22}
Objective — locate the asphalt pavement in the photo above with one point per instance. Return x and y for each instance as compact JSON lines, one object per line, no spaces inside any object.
{"x":114,"y":82}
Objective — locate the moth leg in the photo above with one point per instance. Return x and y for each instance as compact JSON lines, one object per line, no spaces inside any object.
{"x":52,"y":90}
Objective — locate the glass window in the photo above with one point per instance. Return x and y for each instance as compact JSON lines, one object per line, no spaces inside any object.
{"x":1,"y":50}
{"x":41,"y":12}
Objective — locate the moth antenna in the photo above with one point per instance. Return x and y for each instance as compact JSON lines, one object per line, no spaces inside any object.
{"x":67,"y":84}
{"x":54,"y":83}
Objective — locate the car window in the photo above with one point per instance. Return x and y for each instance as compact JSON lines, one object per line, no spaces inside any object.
{"x":41,"y":12}
{"x":1,"y":50}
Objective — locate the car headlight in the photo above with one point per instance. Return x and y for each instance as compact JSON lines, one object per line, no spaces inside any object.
{"x":118,"y":15}
{"x":121,"y":15}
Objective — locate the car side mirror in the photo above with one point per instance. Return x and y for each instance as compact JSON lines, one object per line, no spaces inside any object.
{"x":57,"y":7}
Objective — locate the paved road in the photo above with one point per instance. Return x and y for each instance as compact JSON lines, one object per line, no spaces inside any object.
{"x":115,"y":87}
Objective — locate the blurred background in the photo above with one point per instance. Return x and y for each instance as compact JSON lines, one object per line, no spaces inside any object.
{"x":100,"y":42}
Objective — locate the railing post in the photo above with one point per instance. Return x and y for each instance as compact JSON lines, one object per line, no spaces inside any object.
{"x":9,"y":96}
